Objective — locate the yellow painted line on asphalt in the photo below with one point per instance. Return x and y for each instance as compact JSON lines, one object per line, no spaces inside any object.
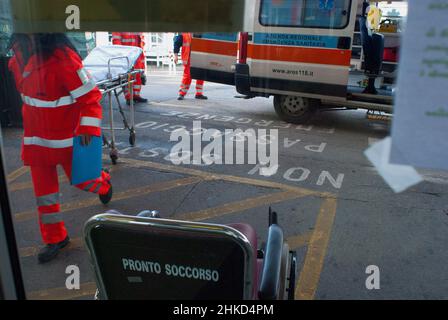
{"x":16,"y":174}
{"x":75,"y":243}
{"x":215,"y":176}
{"x":317,"y":249}
{"x":76,"y":205}
{"x":294,"y":242}
{"x":299,"y":241}
{"x":239,"y":206}
{"x":18,"y":186}
{"x":86,"y":290}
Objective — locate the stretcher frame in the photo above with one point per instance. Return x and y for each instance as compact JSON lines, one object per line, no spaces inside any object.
{"x":116,"y":86}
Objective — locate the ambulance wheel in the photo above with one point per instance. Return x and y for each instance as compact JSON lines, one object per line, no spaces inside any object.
{"x":132,"y":138}
{"x":293,"y":109}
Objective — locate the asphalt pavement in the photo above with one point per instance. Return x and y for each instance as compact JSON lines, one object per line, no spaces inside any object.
{"x":336,"y":211}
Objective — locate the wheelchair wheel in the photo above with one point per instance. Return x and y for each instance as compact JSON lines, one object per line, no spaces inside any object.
{"x":284,"y":273}
{"x":292,"y":275}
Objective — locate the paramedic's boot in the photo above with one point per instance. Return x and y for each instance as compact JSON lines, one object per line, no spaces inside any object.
{"x":105,"y":198}
{"x":50,"y":251}
{"x":181,"y":97}
{"x":201,"y":97}
{"x":137,"y":100}
{"x":140,"y":100}
{"x":370,"y":89}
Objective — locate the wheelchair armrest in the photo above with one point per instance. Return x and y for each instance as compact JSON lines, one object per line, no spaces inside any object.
{"x":270,"y":277}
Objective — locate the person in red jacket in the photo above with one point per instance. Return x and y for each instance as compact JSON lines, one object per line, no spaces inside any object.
{"x":60,"y":101}
{"x":134,"y":39}
{"x":183,"y":41}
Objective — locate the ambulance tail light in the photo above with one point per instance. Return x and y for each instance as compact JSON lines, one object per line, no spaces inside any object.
{"x":242,"y":47}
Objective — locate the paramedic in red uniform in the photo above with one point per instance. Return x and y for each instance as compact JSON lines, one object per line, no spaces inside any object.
{"x":133,"y":39}
{"x":60,"y":101}
{"x":183,"y":41}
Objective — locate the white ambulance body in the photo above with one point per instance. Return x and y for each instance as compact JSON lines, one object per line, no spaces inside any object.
{"x":302,"y":53}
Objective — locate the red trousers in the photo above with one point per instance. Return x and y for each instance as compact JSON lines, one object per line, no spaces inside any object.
{"x":46,"y":189}
{"x":186,"y":82}
{"x":137,"y":86}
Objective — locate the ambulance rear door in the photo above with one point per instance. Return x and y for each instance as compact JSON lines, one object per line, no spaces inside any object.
{"x":213,"y":56}
{"x":302,"y":47}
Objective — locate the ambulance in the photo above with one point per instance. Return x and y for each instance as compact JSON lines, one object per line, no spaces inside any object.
{"x":308,"y":55}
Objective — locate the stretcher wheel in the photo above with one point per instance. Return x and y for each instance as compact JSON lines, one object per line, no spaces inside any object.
{"x":132,"y":138}
{"x":114,"y":156}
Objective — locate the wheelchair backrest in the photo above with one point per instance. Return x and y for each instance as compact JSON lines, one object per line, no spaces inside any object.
{"x":149,"y":258}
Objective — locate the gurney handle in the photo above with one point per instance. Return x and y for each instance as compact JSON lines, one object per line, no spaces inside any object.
{"x":109,"y":75}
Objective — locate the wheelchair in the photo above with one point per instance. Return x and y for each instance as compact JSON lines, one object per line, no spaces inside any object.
{"x":145,"y":257}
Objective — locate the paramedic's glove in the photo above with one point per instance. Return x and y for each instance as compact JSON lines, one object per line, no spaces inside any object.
{"x":85,"y":139}
{"x":144,"y":79}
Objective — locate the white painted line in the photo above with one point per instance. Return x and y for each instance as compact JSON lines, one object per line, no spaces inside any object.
{"x":163,"y":104}
{"x":438,"y":177}
{"x":373,"y":140}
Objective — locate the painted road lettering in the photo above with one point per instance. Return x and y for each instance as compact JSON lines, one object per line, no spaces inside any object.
{"x":256,"y":122}
{"x":294,"y":174}
{"x":287,"y":143}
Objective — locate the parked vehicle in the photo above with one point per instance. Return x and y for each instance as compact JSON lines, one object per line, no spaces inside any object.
{"x":307,"y":54}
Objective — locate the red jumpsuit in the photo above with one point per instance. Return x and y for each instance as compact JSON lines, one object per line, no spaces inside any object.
{"x":60,"y":101}
{"x":134,"y":40}
{"x":186,"y":79}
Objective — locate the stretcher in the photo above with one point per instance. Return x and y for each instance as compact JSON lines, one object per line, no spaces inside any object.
{"x":112,"y":69}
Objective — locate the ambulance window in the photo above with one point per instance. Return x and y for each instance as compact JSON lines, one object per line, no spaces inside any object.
{"x":331,"y":14}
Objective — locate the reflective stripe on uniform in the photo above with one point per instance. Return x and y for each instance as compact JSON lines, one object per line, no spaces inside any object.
{"x":90,"y":121}
{"x":48,"y":200}
{"x":97,"y":189}
{"x":89,"y":186}
{"x":87,"y":86}
{"x":54,"y":144}
{"x":84,"y":76}
{"x":51,"y":218}
{"x":63,"y":101}
{"x":128,"y":40}
{"x":83,"y":90}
